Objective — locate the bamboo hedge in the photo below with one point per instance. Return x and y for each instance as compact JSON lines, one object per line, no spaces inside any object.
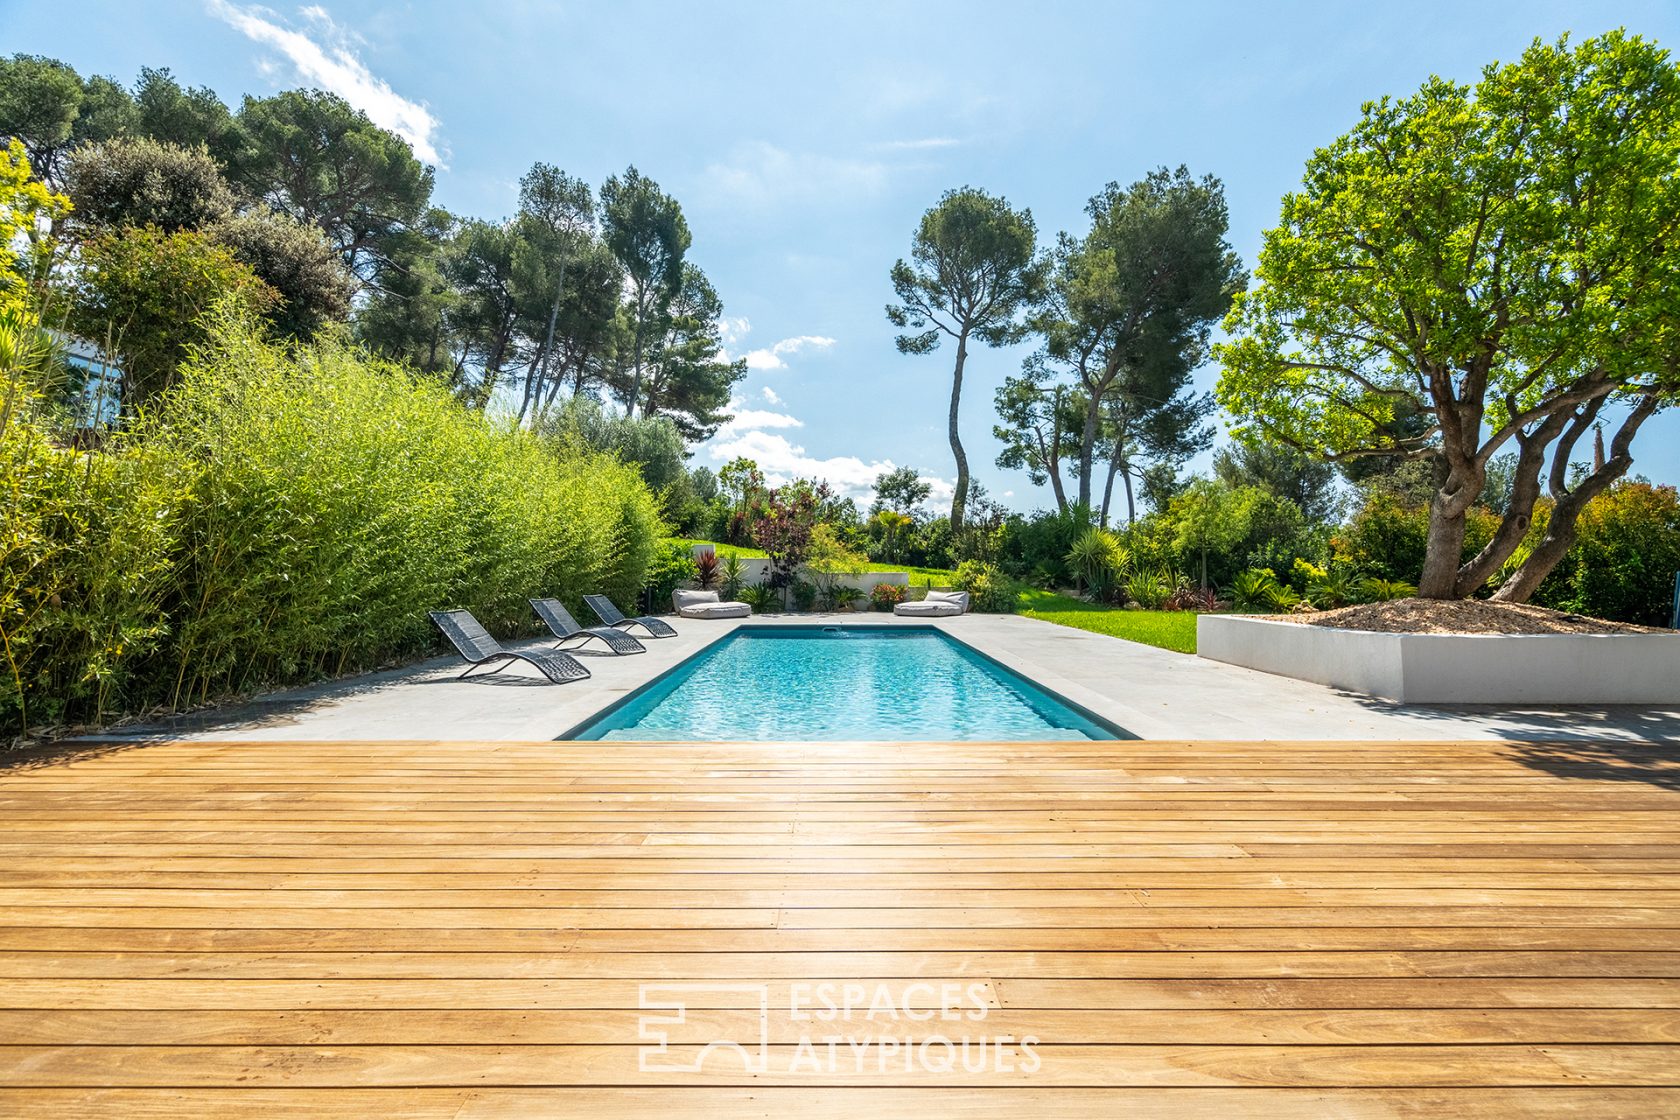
{"x":282,"y":515}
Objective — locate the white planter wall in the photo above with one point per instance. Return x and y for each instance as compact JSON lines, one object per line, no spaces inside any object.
{"x":1454,"y":668}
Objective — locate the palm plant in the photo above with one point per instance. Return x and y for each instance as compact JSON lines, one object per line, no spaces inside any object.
{"x":1378,"y":590}
{"x":1255,"y":590}
{"x":891,"y":523}
{"x":1332,"y":588}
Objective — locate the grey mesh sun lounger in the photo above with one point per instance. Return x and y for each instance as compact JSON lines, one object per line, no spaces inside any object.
{"x":612,"y":616}
{"x":562,"y":625}
{"x":475,"y":644}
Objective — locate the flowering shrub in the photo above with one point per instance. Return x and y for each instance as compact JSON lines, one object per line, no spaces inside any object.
{"x":886,"y":596}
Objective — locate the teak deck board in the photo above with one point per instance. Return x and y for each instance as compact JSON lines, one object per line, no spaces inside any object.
{"x":462,"y":929}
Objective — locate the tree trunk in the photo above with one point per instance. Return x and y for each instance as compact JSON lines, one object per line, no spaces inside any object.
{"x":1131,"y":503}
{"x":959,"y":500}
{"x":1054,"y":466}
{"x":636,"y":378}
{"x":1560,"y":528}
{"x":1444,"y":549}
{"x":1519,"y":510}
{"x":1087,"y":448}
{"x":1108,"y":485}
{"x":547,"y":347}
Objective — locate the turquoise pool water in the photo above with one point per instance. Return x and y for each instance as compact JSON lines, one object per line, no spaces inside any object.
{"x":827,"y":683}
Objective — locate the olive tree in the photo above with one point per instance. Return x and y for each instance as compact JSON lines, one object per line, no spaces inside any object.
{"x":1476,"y":269}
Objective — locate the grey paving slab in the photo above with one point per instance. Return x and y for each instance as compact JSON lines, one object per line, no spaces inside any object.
{"x":1153,"y":693}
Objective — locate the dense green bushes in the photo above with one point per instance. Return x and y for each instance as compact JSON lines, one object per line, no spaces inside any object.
{"x":1625,"y":556}
{"x":278,"y":516}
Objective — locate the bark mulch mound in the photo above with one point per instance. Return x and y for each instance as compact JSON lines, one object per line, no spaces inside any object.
{"x":1465,"y":616}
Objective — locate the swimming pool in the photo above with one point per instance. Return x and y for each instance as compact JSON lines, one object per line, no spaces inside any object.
{"x":785,"y":683}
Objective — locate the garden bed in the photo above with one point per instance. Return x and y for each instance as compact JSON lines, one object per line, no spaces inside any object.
{"x":1456,"y":653}
{"x":1464,"y":616}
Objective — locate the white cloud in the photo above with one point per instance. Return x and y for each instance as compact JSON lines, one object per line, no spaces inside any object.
{"x":782,"y":460}
{"x":334,"y":67}
{"x":762,"y":175}
{"x":940,"y":492}
{"x":732,"y":329}
{"x":770,"y":395}
{"x":750,"y":419}
{"x":771,"y":357}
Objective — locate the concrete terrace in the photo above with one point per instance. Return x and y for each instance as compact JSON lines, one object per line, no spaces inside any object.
{"x":1153,"y":693}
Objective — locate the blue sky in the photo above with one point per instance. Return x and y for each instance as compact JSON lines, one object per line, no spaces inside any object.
{"x":805,"y":141}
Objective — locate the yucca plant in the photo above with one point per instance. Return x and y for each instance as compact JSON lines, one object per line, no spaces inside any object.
{"x":1099,"y":561}
{"x":731,"y":576}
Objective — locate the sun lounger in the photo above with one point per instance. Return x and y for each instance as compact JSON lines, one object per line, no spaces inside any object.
{"x":562,"y":625}
{"x":474,"y":643}
{"x":609,"y":613}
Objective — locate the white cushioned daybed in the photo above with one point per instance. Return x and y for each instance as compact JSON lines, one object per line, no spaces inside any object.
{"x":705,"y":604}
{"x":938,"y":604}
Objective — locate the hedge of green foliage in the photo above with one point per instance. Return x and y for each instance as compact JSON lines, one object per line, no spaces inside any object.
{"x":279,"y":516}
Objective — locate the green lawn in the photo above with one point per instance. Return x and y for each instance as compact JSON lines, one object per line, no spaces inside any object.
{"x":1175,"y":630}
{"x":941,"y":577}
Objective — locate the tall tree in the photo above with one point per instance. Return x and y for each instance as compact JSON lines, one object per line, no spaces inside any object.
{"x":1133,"y":302}
{"x":1501,"y":260}
{"x":900,"y":490}
{"x":586,"y":328}
{"x":45,"y":105}
{"x":481,"y":265}
{"x":314,"y":156}
{"x":686,"y":378}
{"x":191,"y":118}
{"x":1281,"y":470}
{"x":1040,"y":429}
{"x":645,"y":229}
{"x":976,"y":273}
{"x":558,"y":213}
{"x":410,"y":316}
{"x":1143,"y":437}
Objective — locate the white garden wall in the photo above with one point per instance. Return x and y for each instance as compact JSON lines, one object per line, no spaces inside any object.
{"x":1454,"y":668}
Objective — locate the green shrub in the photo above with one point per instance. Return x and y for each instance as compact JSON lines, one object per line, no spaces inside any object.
{"x":278,"y":516}
{"x":1151,"y":589}
{"x":1625,"y":556}
{"x":1254,"y":590}
{"x":673,"y":566}
{"x":989,"y":590}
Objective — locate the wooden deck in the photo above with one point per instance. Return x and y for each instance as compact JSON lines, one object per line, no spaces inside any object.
{"x":464,"y":930}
